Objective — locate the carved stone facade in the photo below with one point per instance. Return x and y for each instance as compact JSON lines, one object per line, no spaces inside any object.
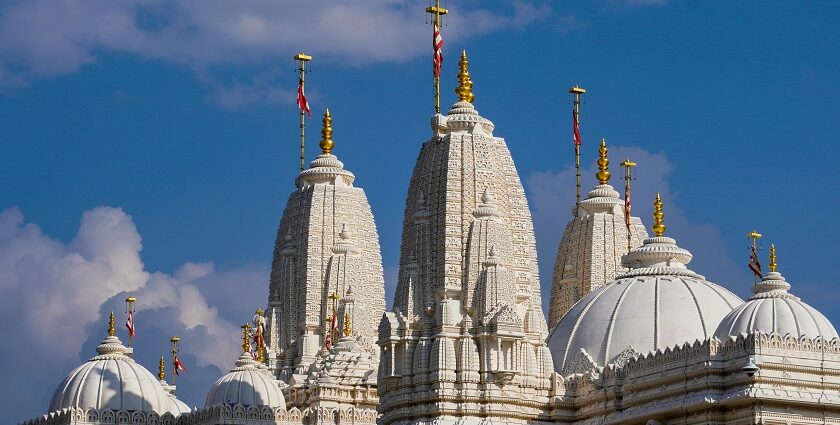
{"x":465,"y":340}
{"x":590,"y":251}
{"x":327,"y":244}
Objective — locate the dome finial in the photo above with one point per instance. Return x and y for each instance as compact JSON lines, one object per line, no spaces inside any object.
{"x":603,"y":174}
{"x":246,"y":342}
{"x":773,"y":265}
{"x":465,"y":83}
{"x":161,"y":369}
{"x":112,"y":324}
{"x":658,"y":228}
{"x":348,"y":327}
{"x":326,"y":133}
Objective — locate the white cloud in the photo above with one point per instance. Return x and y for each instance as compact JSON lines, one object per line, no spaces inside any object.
{"x":54,"y":298}
{"x":552,"y":196}
{"x":40,"y":38}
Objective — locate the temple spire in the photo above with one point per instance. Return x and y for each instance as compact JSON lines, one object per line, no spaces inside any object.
{"x":658,"y":228}
{"x":773,"y":265}
{"x":112,"y":324}
{"x":465,"y":83}
{"x":603,"y":173}
{"x":327,"y":143}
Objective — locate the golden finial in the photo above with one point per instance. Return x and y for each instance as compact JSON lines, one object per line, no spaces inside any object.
{"x":603,"y":174}
{"x":246,"y":338}
{"x":658,"y":227}
{"x":347,"y":326}
{"x":326,"y":133}
{"x":465,"y":84}
{"x":112,"y":324}
{"x":773,"y":264}
{"x":161,"y":369}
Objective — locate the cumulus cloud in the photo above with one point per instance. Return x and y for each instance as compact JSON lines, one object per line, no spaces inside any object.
{"x":552,"y":196}
{"x":55,"y":297}
{"x":40,"y":38}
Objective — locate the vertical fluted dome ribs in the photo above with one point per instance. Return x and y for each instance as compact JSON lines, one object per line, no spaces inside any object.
{"x":467,"y":309}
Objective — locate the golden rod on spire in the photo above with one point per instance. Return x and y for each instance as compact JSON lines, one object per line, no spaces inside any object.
{"x":628,"y":175}
{"x":162,"y":369}
{"x":465,"y":83}
{"x":658,"y":228}
{"x":603,"y":173}
{"x":326,"y":133}
{"x":302,"y":59}
{"x":112,"y":324}
{"x":576,"y":92}
{"x":436,"y":11}
{"x":348,"y":328}
{"x":773,"y":265}
{"x":246,"y":338}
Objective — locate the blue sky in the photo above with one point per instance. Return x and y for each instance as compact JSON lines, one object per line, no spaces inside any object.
{"x":171,"y":127}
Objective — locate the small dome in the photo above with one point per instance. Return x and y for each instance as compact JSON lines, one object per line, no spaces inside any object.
{"x":773,"y":309}
{"x":112,"y":380}
{"x":248,"y":384}
{"x":658,"y":303}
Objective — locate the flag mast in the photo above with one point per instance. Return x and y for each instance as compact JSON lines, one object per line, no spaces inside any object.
{"x":175,"y":342}
{"x":576,"y":92}
{"x":302,"y":59}
{"x":754,"y":236}
{"x":129,"y":322}
{"x":628,"y":169}
{"x":437,"y":43}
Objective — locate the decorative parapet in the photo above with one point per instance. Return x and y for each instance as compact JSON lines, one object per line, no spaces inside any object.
{"x":708,"y":378}
{"x":74,"y":416}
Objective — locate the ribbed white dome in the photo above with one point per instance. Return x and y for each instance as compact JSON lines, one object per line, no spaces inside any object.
{"x":178,"y":406}
{"x":112,"y":380}
{"x":659,"y":303}
{"x":773,"y":309}
{"x":248,"y":384}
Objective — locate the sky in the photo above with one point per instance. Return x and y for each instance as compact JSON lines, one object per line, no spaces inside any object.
{"x":149,"y":147}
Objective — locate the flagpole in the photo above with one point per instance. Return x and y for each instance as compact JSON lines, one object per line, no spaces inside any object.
{"x":576,"y":92}
{"x":334,"y":298}
{"x":302,"y":59}
{"x":754,"y":236}
{"x":628,"y":167}
{"x":129,"y":311}
{"x":436,"y":12}
{"x":175,"y":341}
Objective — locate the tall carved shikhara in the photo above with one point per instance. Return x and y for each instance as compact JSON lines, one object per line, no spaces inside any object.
{"x":327,"y":248}
{"x":467,"y":327}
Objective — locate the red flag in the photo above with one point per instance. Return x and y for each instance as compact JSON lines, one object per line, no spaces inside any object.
{"x":576,"y":126}
{"x":437,"y":44}
{"x":627,"y":206}
{"x":302,"y":103}
{"x":179,"y":367}
{"x":129,"y":323}
{"x":754,"y":265}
